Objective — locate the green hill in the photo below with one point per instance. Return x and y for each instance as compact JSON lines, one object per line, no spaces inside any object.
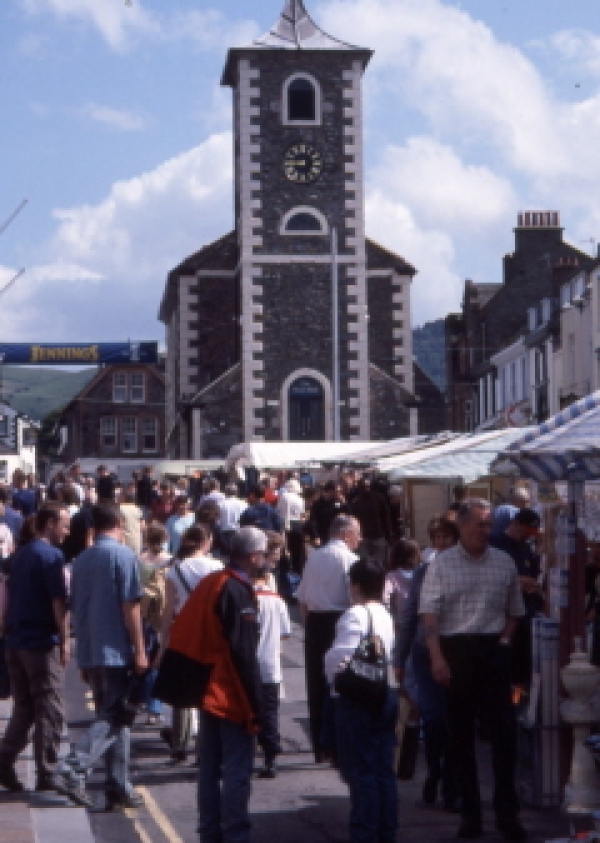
{"x":429,"y":348}
{"x":38,"y":391}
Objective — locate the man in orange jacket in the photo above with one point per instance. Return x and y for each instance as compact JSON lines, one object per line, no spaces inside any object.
{"x":215,"y":637}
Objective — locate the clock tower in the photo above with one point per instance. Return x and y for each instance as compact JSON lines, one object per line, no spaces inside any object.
{"x":299,"y":223}
{"x":293,"y":326}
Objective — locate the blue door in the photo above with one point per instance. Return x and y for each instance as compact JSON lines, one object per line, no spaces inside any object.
{"x":306,"y":411}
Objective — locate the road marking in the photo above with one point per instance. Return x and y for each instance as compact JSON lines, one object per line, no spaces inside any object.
{"x":159,"y":818}
{"x":141,"y":832}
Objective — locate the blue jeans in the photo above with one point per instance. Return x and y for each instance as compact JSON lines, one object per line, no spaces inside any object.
{"x":152,"y":706}
{"x":365,"y":746}
{"x":107,"y":736}
{"x":226,"y":758}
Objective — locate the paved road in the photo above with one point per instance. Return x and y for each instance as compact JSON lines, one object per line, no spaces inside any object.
{"x":305,"y":804}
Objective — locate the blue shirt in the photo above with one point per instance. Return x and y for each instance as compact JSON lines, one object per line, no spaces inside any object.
{"x":37,"y":578}
{"x":24,"y":501}
{"x":502,"y":517}
{"x":105,"y":576}
{"x":13,"y":520}
{"x":176,"y":526}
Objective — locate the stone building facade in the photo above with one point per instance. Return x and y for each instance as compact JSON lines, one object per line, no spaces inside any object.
{"x":498,"y":371}
{"x":250,"y":318}
{"x":120,"y":413}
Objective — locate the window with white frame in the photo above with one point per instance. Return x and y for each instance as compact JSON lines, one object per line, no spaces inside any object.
{"x":128,"y":435}
{"x":108,"y":433}
{"x":137,"y":392}
{"x":149,"y":434}
{"x":565,"y":295}
{"x":120,"y":388}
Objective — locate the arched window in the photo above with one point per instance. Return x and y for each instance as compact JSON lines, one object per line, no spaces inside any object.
{"x":301,"y":100}
{"x":303,"y":220}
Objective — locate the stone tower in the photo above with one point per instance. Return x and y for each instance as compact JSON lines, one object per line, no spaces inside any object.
{"x":298,"y":150}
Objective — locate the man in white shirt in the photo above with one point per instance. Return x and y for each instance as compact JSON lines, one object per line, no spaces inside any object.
{"x":323,"y":595}
{"x":230,"y":508}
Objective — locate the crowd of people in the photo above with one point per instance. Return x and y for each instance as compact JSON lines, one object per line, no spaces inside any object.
{"x":179,"y":592}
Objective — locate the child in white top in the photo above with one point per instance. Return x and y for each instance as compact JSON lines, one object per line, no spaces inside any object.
{"x":274,"y":622}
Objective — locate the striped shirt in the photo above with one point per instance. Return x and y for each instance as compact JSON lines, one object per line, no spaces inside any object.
{"x":471,"y":596}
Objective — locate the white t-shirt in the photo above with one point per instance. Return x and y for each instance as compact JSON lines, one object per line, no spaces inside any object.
{"x":290,"y":507}
{"x":230,"y":510}
{"x":274,"y":623}
{"x":353,"y":624}
{"x":324,"y":586}
{"x":193,"y":570}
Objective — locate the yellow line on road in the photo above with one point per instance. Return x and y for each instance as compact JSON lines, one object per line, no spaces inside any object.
{"x":159,"y":818}
{"x":140,"y":831}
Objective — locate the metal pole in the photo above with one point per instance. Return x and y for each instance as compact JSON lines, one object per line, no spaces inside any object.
{"x":335,"y":336}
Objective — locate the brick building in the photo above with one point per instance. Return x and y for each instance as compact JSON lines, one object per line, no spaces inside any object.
{"x":249,"y":318}
{"x":120,"y":413}
{"x":497,"y":361}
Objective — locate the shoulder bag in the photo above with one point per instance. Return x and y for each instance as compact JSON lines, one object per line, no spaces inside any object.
{"x":364,"y":679}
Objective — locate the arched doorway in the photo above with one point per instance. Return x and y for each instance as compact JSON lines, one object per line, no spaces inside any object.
{"x":306,"y":410}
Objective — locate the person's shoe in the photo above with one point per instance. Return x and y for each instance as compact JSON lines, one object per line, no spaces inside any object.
{"x":269,"y":771}
{"x":44,"y":784}
{"x":511,"y":829}
{"x":429,"y":793}
{"x":74,"y":788}
{"x":166,"y":734}
{"x":9,"y":779}
{"x":470,"y":830}
{"x":452,"y":804}
{"x":178,"y":756}
{"x":129,"y":798}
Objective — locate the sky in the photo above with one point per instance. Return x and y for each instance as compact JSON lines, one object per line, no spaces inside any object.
{"x":114,"y":128}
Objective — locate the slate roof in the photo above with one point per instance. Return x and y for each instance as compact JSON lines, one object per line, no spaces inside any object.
{"x":223,"y":255}
{"x":380,"y":258}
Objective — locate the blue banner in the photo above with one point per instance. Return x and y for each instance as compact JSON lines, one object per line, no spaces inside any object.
{"x":78,"y":354}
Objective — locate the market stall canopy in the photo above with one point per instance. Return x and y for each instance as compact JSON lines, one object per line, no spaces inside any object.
{"x":464,"y":459}
{"x":263,"y":455}
{"x":375,"y":451}
{"x":566,"y":447}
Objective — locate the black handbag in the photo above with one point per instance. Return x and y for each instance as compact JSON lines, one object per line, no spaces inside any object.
{"x":364,"y":679}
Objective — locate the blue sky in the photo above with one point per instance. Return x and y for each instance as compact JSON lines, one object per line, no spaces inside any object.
{"x":116,"y":131}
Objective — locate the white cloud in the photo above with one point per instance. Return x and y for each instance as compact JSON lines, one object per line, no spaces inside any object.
{"x":452,"y":69}
{"x":437,"y":287}
{"x":439,"y":188}
{"x":105,"y":268}
{"x":116,"y":20}
{"x":210,"y":30}
{"x":580,"y":48}
{"x":116,"y":118}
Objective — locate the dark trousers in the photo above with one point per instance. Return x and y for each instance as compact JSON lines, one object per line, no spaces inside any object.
{"x":365,"y":750}
{"x":225,"y":759}
{"x":36,"y":678}
{"x":431,"y":699}
{"x":480,"y":687}
{"x":268,"y":737}
{"x":318,"y":638}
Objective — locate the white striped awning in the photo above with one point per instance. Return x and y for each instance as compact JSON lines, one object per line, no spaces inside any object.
{"x":466,"y":459}
{"x":566,"y":447}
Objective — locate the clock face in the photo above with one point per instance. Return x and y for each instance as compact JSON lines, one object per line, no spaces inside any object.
{"x":302,"y":163}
